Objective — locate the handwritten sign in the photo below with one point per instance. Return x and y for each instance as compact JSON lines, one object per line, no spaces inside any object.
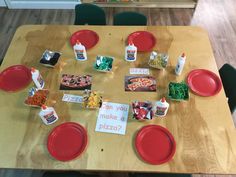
{"x":139,"y":71}
{"x":112,"y":118}
{"x":72,"y":98}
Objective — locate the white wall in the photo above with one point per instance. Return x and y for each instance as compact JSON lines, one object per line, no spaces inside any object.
{"x":2,"y":3}
{"x":41,"y":4}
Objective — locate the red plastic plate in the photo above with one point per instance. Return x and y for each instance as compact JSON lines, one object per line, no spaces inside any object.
{"x":204,"y":82}
{"x":143,"y":40}
{"x":15,"y":78}
{"x":155,"y":144}
{"x":67,"y":141}
{"x":87,"y":37}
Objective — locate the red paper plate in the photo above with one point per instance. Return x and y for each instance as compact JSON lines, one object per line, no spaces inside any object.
{"x":204,"y":82}
{"x":155,"y":144}
{"x":143,"y":40}
{"x":87,"y":37}
{"x":67,"y":141}
{"x":15,"y":78}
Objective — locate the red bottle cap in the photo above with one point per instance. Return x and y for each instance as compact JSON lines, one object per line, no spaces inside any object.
{"x":33,"y":69}
{"x":131,"y":43}
{"x":44,"y":107}
{"x":163,"y":100}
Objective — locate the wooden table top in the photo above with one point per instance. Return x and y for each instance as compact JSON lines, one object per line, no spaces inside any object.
{"x":202,"y":127}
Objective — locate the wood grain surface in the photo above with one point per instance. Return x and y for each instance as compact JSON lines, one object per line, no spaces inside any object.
{"x":202,"y":127}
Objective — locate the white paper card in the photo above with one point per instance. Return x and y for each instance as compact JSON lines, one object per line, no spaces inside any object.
{"x":112,"y":118}
{"x":72,"y":98}
{"x":139,"y":71}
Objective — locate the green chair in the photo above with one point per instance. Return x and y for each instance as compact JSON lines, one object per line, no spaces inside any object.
{"x":89,"y":14}
{"x":67,"y":174}
{"x":228,"y":77}
{"x":130,"y":19}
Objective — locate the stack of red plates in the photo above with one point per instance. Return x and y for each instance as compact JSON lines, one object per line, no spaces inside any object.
{"x":67,"y":141}
{"x":155,"y":144}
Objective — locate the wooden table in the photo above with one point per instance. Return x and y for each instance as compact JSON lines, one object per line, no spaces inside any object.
{"x":202,"y":127}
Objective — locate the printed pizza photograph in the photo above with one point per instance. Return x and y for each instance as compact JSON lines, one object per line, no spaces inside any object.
{"x":75,"y":82}
{"x":140,"y":83}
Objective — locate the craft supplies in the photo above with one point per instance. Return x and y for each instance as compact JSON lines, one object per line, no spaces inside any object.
{"x":131,"y":52}
{"x":178,"y":91}
{"x":37,"y":78}
{"x":158,"y":60}
{"x":92,"y":99}
{"x":75,"y":82}
{"x":140,"y":83}
{"x":142,"y":110}
{"x":50,"y":58}
{"x":103,"y":63}
{"x":80,"y":51}
{"x":180,"y":64}
{"x":48,"y":115}
{"x":36,"y":97}
{"x":161,"y":107}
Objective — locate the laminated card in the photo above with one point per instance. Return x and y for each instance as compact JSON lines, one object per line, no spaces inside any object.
{"x":112,"y":118}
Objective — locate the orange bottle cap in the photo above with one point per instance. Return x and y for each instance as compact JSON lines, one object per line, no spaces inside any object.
{"x":33,"y":69}
{"x":131,"y":43}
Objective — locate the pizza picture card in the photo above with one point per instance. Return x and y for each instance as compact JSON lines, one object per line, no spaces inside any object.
{"x":140,"y":83}
{"x":75,"y":82}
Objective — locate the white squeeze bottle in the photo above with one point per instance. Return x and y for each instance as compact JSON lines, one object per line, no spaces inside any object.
{"x":161,"y":108}
{"x":80,"y":51}
{"x":37,"y":78}
{"x":180,"y":64}
{"x":131,"y":52}
{"x":48,"y":115}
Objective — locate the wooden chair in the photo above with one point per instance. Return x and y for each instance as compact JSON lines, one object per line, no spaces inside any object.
{"x":130,"y":19}
{"x":89,"y":14}
{"x":228,"y":77}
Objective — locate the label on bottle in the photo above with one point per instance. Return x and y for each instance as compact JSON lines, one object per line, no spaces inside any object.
{"x":130,"y":55}
{"x":40,"y":80}
{"x":80,"y":54}
{"x":160,"y":111}
{"x":50,"y":117}
{"x":177,"y":68}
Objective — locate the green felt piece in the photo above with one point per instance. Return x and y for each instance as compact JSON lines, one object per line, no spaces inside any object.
{"x":178,"y":91}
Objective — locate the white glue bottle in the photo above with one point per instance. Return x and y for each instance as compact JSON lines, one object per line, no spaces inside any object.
{"x":37,"y":78}
{"x":80,"y":51}
{"x":161,"y":108}
{"x":180,"y":64}
{"x":131,"y":52}
{"x":48,"y":115}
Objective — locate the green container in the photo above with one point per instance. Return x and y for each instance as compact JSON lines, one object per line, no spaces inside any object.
{"x":178,"y":91}
{"x":103,"y":63}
